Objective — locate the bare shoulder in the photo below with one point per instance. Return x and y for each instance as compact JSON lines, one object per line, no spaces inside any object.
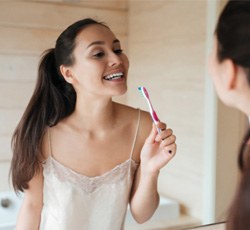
{"x":131,"y":114}
{"x":146,"y":121}
{"x":125,"y":110}
{"x":131,"y":111}
{"x":145,"y":125}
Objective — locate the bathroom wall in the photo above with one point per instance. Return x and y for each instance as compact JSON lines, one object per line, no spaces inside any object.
{"x":167,"y":43}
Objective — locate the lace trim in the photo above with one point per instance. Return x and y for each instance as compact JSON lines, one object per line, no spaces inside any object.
{"x":89,"y":184}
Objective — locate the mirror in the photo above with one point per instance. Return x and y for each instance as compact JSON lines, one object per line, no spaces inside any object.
{"x":216,"y":226}
{"x":167,"y":43}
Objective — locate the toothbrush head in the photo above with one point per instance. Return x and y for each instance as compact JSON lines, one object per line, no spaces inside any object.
{"x":144,"y":92}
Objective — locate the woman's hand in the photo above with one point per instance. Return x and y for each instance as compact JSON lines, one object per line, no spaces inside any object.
{"x":158,"y":149}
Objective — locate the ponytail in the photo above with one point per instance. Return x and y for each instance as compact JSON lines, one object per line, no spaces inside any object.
{"x":52,"y":100}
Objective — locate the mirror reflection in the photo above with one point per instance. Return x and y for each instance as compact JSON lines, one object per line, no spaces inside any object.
{"x":167,"y":44}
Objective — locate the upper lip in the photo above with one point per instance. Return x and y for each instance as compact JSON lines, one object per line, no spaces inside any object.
{"x":115,"y":71}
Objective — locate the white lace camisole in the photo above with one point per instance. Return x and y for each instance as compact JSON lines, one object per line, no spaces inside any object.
{"x":72,"y":201}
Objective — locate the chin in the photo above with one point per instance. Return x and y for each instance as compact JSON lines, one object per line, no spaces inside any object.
{"x":121,"y":92}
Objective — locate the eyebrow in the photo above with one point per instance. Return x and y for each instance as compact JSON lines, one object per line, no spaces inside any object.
{"x":101,"y":43}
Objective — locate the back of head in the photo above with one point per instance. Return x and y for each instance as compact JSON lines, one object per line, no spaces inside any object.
{"x":233,"y":36}
{"x":233,"y":33}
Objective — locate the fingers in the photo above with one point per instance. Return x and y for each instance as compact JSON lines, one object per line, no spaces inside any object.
{"x":166,"y":138}
{"x":159,"y":148}
{"x":170,"y":149}
{"x":164,"y":134}
{"x":162,"y":126}
{"x":168,"y":144}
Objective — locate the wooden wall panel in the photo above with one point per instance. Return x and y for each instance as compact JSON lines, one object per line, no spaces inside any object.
{"x":4,"y":176}
{"x":106,"y":4}
{"x":100,"y":4}
{"x":57,"y":16}
{"x":15,"y":94}
{"x":26,"y":41}
{"x":5,"y":150}
{"x":8,"y":120}
{"x":18,"y":67}
{"x":32,"y":41}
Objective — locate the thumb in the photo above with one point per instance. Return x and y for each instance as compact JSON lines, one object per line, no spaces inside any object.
{"x":151,"y":138}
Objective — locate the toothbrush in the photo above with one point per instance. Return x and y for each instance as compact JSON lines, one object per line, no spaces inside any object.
{"x":152,"y":111}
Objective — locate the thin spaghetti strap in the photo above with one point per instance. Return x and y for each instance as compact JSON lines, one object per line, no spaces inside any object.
{"x":136,"y":132}
{"x":49,"y":141}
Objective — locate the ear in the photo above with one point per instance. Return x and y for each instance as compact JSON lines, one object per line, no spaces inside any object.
{"x":67,"y":74}
{"x":229,"y":74}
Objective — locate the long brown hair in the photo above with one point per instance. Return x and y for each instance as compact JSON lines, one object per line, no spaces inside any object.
{"x":240,"y":208}
{"x":53,"y":99}
{"x":233,"y":35}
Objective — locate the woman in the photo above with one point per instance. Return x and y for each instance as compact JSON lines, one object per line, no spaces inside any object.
{"x":230,"y":70}
{"x":79,"y":157}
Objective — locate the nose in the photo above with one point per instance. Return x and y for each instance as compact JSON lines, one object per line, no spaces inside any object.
{"x":114,"y":60}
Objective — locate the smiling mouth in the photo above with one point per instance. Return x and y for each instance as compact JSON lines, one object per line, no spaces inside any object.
{"x":113,"y":76}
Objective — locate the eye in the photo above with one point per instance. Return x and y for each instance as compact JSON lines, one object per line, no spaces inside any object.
{"x":118,"y":51}
{"x":99,"y":55}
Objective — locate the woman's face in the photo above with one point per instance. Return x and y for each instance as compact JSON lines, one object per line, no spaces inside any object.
{"x":100,"y":66}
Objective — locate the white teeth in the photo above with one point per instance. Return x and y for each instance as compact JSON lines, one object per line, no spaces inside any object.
{"x":114,"y":76}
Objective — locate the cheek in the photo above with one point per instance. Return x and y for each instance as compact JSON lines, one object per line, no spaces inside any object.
{"x":217,"y":83}
{"x":125,"y":61}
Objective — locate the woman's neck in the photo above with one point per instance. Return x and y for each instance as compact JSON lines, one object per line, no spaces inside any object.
{"x":98,"y":114}
{"x":245,"y":106}
{"x":242,"y":101}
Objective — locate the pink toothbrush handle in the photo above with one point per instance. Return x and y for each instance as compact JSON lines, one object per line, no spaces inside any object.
{"x":155,"y":117}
